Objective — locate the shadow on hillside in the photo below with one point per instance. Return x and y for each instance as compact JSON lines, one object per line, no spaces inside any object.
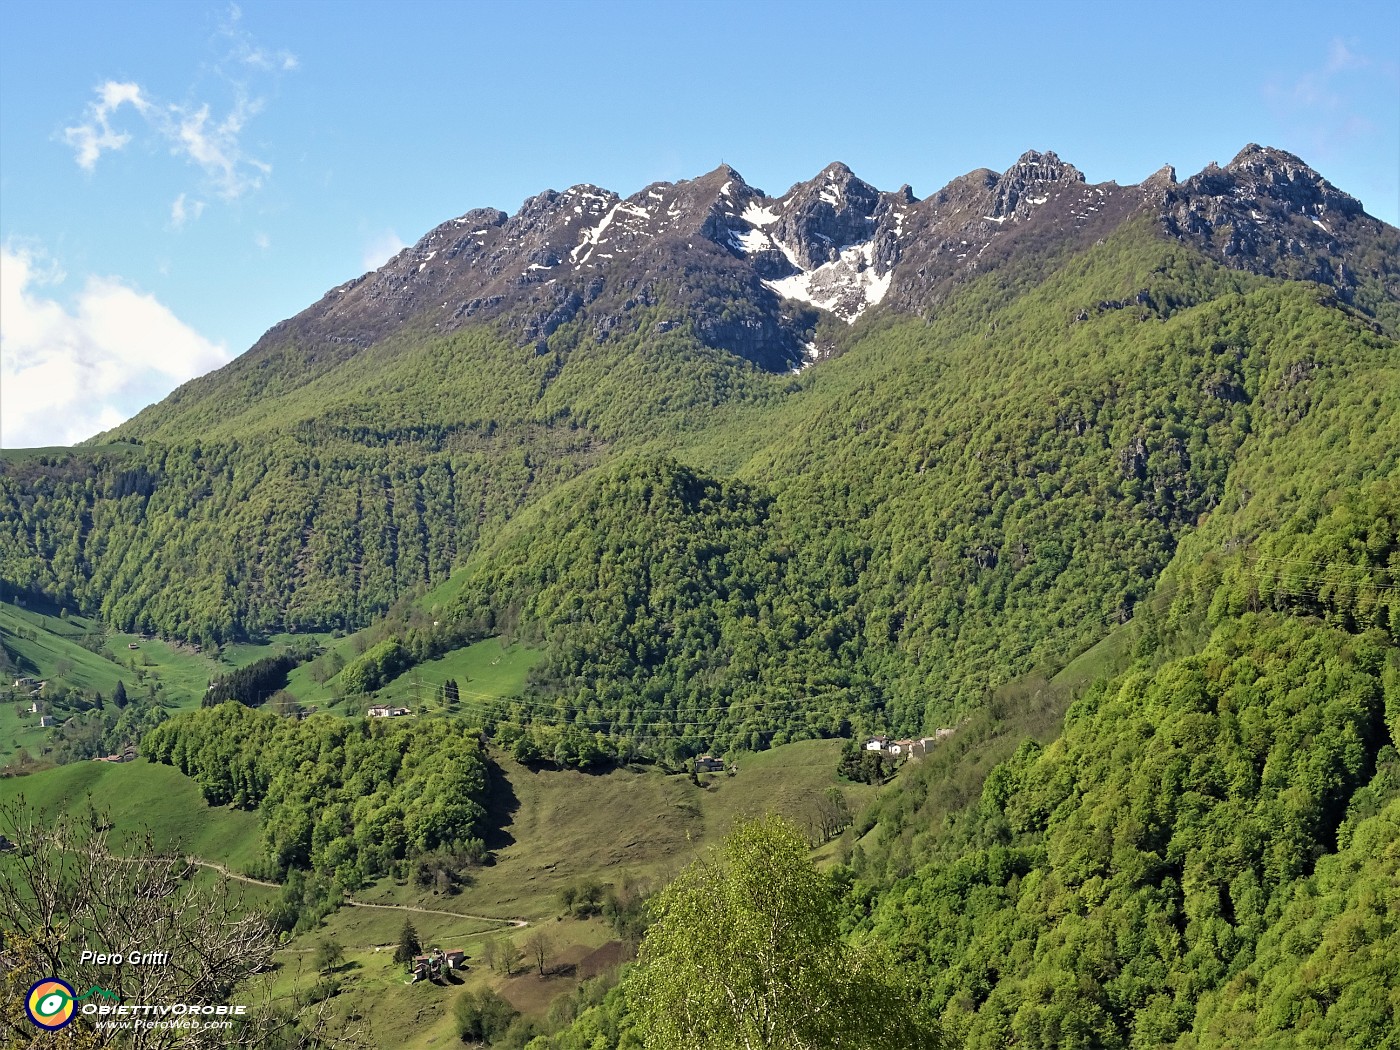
{"x":501,"y":806}
{"x":36,"y":601}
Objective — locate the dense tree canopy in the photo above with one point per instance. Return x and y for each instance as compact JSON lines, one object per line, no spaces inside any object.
{"x":344,"y":798}
{"x":745,"y":950}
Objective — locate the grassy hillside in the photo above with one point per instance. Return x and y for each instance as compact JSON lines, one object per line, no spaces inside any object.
{"x":559,"y":829}
{"x":484,"y":671}
{"x":555,"y":830}
{"x":41,"y":644}
{"x":141,"y":796}
{"x":78,"y":658}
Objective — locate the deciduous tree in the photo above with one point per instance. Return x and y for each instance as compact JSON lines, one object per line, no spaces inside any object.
{"x":66,"y":892}
{"x":746,"y":951}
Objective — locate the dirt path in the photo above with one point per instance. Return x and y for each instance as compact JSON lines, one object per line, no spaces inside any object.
{"x":351,"y":902}
{"x":226,"y":873}
{"x":517,"y":923}
{"x":223,"y":870}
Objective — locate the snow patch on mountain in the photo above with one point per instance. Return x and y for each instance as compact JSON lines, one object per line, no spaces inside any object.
{"x":750,"y":241}
{"x":847,"y":286}
{"x":810,"y":354}
{"x":756,"y":216}
{"x":594,"y":237}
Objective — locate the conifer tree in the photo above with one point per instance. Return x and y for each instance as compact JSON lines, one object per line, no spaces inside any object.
{"x":408,"y":944}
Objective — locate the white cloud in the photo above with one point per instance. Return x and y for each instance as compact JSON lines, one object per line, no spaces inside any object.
{"x":69,"y":373}
{"x":91,"y":139}
{"x":243,"y":48}
{"x":214,"y":146}
{"x":381,"y":248}
{"x":198,"y":131}
{"x":262,"y":240}
{"x":185,"y":210}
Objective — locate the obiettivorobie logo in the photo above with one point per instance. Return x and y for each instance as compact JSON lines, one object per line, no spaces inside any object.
{"x":51,"y":1003}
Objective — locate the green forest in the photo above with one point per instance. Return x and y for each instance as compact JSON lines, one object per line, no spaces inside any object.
{"x":1123,"y":519}
{"x":347,"y":799}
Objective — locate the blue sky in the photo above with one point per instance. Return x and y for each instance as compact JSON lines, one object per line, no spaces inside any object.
{"x":177,"y":177}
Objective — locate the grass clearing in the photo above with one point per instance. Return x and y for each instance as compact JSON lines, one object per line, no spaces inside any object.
{"x":557,"y":828}
{"x":240,"y":654}
{"x":78,"y":653}
{"x":485,"y":670}
{"x":179,"y":674}
{"x":140,"y":796}
{"x":49,"y":647}
{"x":1107,"y":657}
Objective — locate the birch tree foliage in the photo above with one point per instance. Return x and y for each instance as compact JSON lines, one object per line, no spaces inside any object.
{"x":746,"y":951}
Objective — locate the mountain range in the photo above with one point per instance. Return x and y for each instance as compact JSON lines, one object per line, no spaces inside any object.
{"x":752,"y":275}
{"x":1101,"y":481}
{"x":1024,"y":402}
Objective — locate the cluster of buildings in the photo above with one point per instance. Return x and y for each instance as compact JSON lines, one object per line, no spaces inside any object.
{"x":387,"y":711}
{"x":907,"y":748}
{"x":126,"y":754}
{"x":436,"y":963}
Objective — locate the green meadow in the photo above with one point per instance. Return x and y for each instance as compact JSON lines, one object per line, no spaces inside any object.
{"x":140,"y":797}
{"x":553,"y":830}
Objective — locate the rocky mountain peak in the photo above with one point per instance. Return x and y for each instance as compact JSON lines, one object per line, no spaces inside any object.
{"x":1255,"y":156}
{"x":722,"y":179}
{"x":1266,"y":172}
{"x":1268,"y":212}
{"x":741,"y":264}
{"x":1026,"y":184}
{"x":1163,"y":176}
{"x":1034,"y":166}
{"x":820,"y":217}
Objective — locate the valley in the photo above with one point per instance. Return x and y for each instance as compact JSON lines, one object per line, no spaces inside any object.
{"x":431,"y":604}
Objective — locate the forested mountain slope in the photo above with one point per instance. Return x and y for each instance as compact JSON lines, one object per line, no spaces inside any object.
{"x":1206,"y":855}
{"x":942,"y":511}
{"x":998,"y":453}
{"x":748,"y":468}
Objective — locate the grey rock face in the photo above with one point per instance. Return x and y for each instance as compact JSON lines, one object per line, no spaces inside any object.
{"x":832,"y":211}
{"x":1268,"y":212}
{"x":748,"y":273}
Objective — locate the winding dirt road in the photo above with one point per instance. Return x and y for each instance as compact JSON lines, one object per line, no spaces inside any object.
{"x":518,"y":924}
